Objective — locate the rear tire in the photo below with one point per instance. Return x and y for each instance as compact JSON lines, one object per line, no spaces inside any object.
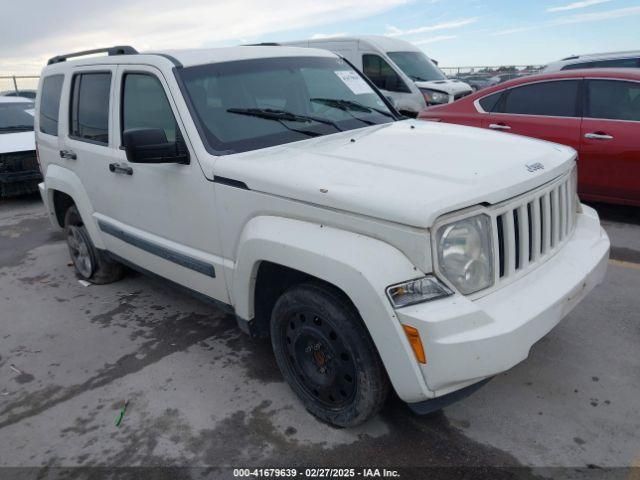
{"x":325,"y":353}
{"x":90,"y":263}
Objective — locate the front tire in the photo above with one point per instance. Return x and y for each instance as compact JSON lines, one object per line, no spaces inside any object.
{"x":325,"y":353}
{"x":89,"y":262}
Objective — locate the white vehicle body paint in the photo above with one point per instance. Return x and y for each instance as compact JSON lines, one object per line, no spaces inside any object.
{"x":355,"y":209}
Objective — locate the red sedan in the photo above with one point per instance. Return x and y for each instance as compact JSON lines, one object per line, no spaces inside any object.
{"x":597,"y":112}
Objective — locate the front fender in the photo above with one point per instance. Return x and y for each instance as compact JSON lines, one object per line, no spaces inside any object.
{"x":66,"y":181}
{"x":362,"y":267}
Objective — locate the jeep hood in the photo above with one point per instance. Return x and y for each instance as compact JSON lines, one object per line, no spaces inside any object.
{"x":408,"y":172}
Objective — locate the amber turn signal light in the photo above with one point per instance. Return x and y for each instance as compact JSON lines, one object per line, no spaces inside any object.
{"x":416,"y":344}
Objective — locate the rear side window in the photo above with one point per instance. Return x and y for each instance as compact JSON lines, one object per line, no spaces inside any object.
{"x":612,"y":99}
{"x":382,"y":74}
{"x":50,"y":104}
{"x":614,"y":63}
{"x":90,"y":107}
{"x":557,"y":99}
{"x":145,"y":105}
{"x":489,"y":102}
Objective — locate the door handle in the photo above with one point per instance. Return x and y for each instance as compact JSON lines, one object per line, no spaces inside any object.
{"x":499,"y":126}
{"x":598,"y":136}
{"x":120,"y":168}
{"x":71,"y":155}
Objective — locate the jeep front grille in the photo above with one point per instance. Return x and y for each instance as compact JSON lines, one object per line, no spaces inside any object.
{"x":529,"y":229}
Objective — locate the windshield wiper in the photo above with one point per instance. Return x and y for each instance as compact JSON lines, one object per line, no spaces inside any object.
{"x":350,"y":105}
{"x":284,"y":116}
{"x":345,"y":108}
{"x":14,"y":128}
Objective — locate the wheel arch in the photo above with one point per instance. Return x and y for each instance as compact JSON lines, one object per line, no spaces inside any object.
{"x":63,"y":188}
{"x":360,"y":267}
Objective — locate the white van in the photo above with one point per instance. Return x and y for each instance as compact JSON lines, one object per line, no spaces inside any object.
{"x":398,"y":68}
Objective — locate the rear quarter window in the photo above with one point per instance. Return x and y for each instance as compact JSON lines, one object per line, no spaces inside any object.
{"x":50,"y":104}
{"x":489,"y":102}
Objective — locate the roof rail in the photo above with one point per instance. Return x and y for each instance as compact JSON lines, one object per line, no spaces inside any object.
{"x":572,"y":57}
{"x":263,"y":44}
{"x":118,"y":50}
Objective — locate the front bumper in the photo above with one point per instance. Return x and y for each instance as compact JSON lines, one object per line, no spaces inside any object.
{"x":467,"y":341}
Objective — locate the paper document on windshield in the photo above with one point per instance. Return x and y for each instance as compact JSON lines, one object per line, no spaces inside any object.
{"x":354,"y":82}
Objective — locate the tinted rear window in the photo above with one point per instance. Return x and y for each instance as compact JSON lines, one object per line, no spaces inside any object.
{"x":90,"y":107}
{"x":50,"y":104}
{"x":557,"y":99}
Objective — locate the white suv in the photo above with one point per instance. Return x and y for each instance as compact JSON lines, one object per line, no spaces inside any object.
{"x":630,"y":59}
{"x":279,"y":182}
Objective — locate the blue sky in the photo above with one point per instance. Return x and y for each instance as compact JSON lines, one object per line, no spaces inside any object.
{"x":496,"y":32}
{"x":455,"y":32}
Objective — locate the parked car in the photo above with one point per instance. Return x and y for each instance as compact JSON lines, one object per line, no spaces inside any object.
{"x":630,"y":59}
{"x":502,"y":77}
{"x":476,"y":82}
{"x":597,"y":112}
{"x":398,"y":68}
{"x":19,"y":172}
{"x":30,"y":94}
{"x":281,"y":184}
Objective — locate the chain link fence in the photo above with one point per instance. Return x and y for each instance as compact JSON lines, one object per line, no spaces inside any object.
{"x":492,"y":70}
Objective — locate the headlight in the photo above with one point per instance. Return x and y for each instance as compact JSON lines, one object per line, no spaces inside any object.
{"x":433,"y":97}
{"x":417,"y":291}
{"x":465,"y":253}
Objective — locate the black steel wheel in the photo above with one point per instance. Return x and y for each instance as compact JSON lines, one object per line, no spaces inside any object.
{"x":321,"y":360}
{"x":326,"y":354}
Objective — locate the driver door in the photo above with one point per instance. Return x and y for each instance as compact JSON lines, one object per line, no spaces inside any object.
{"x":159,"y":216}
{"x":383,"y":76}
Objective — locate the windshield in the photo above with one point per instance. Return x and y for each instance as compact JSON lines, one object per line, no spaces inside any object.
{"x":417,"y":66}
{"x":251,"y":104}
{"x":15,"y":117}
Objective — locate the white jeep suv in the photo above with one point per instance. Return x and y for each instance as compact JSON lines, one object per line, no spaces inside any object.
{"x":374,"y":250}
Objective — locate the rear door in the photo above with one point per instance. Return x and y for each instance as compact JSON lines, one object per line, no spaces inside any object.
{"x":546,"y":110}
{"x":87,"y":145}
{"x":610,"y":141}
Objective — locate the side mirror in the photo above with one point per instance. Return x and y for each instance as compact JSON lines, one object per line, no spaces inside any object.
{"x":150,"y":145}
